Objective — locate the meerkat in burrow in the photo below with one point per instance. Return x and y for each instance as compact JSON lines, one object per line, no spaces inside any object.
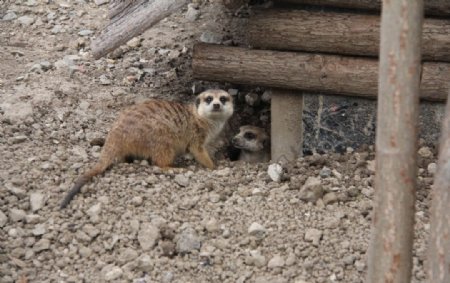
{"x":254,"y":144}
{"x":161,"y":130}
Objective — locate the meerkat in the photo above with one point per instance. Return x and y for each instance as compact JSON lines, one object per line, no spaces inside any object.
{"x":159,"y":131}
{"x":254,"y":144}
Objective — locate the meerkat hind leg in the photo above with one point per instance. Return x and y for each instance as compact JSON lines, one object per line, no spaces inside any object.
{"x":202,"y":156}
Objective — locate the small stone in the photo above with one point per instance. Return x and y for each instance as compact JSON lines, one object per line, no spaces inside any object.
{"x":325,"y":172}
{"x":112,"y":272}
{"x":275,"y":172}
{"x":17,"y":215}
{"x":314,"y":236}
{"x":266,"y":96}
{"x":276,"y":261}
{"x":90,"y":230}
{"x":37,"y":201}
{"x":167,"y":277}
{"x":360,"y":265}
{"x":312,"y":190}
{"x":425,"y":152}
{"x":46,"y":65}
{"x":39,"y":230}
{"x":135,"y":42}
{"x":3,"y":219}
{"x":26,"y":20}
{"x":145,"y":263}
{"x":432,"y":168}
{"x":41,"y":245}
{"x":211,"y":37}
{"x":330,"y":198}
{"x":168,"y":248}
{"x":192,"y":13}
{"x":9,"y":16}
{"x":18,"y":139}
{"x":188,"y":241}
{"x":148,"y":235}
{"x":233,"y":92}
{"x":85,"y":252}
{"x":56,"y":29}
{"x":137,"y":201}
{"x":100,"y":2}
{"x":127,"y":255}
{"x":104,"y":80}
{"x":181,"y":180}
{"x":257,"y":230}
{"x":85,"y":32}
{"x":212,"y":225}
{"x":32,"y":219}
{"x":36,"y":68}
{"x":252,"y":99}
{"x":256,"y":258}
{"x":94,"y":210}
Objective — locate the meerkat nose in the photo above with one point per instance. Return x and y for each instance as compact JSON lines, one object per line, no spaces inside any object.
{"x":216,"y":106}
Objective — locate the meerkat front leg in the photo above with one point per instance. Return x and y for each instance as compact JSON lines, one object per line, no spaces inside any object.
{"x":202,"y":156}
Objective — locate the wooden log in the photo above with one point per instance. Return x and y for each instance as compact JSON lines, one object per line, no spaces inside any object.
{"x":337,"y":33}
{"x":328,"y":74}
{"x":132,"y":20}
{"x":438,"y":267}
{"x":286,"y":125}
{"x":390,"y":252}
{"x":432,"y":7}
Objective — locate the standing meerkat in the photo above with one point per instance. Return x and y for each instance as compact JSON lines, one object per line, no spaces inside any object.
{"x":161,"y":130}
{"x":254,"y":144}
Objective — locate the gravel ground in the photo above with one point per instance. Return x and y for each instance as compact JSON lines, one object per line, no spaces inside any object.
{"x":135,"y":223}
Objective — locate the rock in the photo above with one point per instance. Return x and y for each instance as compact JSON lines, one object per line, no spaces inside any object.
{"x":32,"y":219}
{"x":187,"y":241}
{"x":425,"y":152}
{"x":36,"y":68}
{"x":168,"y":248}
{"x":104,"y":80}
{"x":167,"y":277}
{"x":330,"y":198}
{"x":148,"y":235}
{"x":111,"y":272}
{"x":135,"y":42}
{"x":137,"y":201}
{"x":94,"y":210}
{"x":211,"y":37}
{"x":432,"y":168}
{"x":18,"y":139}
{"x":192,"y":13}
{"x":181,"y":180}
{"x":266,"y":96}
{"x":252,"y":99}
{"x":41,"y":245}
{"x":212,"y":225}
{"x":91,"y":231}
{"x":233,"y":92}
{"x":9,"y":16}
{"x":85,"y":251}
{"x":275,"y":172}
{"x":46,"y":65}
{"x":127,"y":255}
{"x":100,"y":2}
{"x":39,"y":230}
{"x":325,"y":172}
{"x":3,"y":219}
{"x":145,"y":263}
{"x":85,"y":32}
{"x":26,"y":20}
{"x":56,"y":29}
{"x":314,"y":236}
{"x":312,"y":190}
{"x":37,"y":201}
{"x":257,"y":230}
{"x":17,"y":215}
{"x":276,"y":261}
{"x":360,"y":265}
{"x":256,"y":258}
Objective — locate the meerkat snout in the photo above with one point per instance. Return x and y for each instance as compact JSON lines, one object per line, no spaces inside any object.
{"x":254,"y":144}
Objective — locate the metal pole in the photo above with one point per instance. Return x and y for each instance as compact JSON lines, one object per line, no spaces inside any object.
{"x":390,"y":251}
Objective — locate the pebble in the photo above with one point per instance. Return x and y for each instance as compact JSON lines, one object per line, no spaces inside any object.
{"x":266,"y":97}
{"x":26,"y":20}
{"x":137,"y":201}
{"x":211,"y":37}
{"x":312,"y":190}
{"x":148,"y":235}
{"x":330,"y":198}
{"x":3,"y":219}
{"x":256,"y":258}
{"x":314,"y":236}
{"x":252,"y":99}
{"x":18,"y":139}
{"x":85,"y":32}
{"x":32,"y":219}
{"x":275,"y":172}
{"x":425,"y":152}
{"x":127,"y":255}
{"x":41,"y":245}
{"x":100,"y":2}
{"x":233,"y":92}
{"x":276,"y":261}
{"x":432,"y":168}
{"x":17,"y":215}
{"x":135,"y":42}
{"x":188,"y":241}
{"x":181,"y":180}
{"x":325,"y":172}
{"x":192,"y":13}
{"x":104,"y":80}
{"x":145,"y":263}
{"x":39,"y":230}
{"x":257,"y":230}
{"x":94,"y":210}
{"x":37,"y":201}
{"x":85,"y":251}
{"x":112,"y":272}
{"x":9,"y":16}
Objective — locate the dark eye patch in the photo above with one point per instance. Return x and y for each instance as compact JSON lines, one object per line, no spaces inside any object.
{"x":224,"y":99}
{"x":249,"y":136}
{"x":208,"y":99}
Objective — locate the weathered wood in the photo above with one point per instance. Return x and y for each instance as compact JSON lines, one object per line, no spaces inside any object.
{"x":337,"y":33}
{"x":328,"y":74}
{"x":432,"y":7}
{"x":438,"y":266}
{"x":286,"y":125}
{"x":132,"y":21}
{"x":390,"y":251}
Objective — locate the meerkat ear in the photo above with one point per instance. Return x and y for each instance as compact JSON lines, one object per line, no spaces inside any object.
{"x":197,"y":102}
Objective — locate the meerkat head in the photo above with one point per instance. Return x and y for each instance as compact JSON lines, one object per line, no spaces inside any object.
{"x":251,"y":138}
{"x":214,"y":104}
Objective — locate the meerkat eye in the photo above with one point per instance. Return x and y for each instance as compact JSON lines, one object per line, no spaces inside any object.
{"x":249,"y":136}
{"x":223,"y":99}
{"x":208,"y":99}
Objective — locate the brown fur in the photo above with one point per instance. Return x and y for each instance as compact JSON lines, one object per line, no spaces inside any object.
{"x":254,"y":144}
{"x":161,"y":130}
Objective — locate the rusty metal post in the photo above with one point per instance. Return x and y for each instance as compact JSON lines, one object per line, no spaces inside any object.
{"x":438,"y":267}
{"x":390,"y":251}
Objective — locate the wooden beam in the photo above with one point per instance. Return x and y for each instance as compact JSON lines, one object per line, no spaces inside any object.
{"x":432,"y":7}
{"x":337,"y":33}
{"x":132,"y":20}
{"x":327,"y":74}
{"x":390,"y":251}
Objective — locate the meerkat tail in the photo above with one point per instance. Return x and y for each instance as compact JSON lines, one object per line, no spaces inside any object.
{"x":82,"y":180}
